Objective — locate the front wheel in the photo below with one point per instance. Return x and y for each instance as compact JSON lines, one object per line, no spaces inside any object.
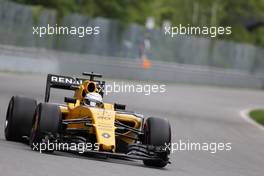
{"x":46,"y":122}
{"x":157,"y":133}
{"x":19,"y":117}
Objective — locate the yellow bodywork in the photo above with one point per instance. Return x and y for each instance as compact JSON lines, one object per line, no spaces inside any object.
{"x":103,"y":120}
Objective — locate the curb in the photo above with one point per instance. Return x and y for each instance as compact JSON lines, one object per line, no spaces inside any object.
{"x":245,"y":115}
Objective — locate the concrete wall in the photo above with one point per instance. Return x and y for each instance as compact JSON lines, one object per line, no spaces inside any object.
{"x":50,"y":61}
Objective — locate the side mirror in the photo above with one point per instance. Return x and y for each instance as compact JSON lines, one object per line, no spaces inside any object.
{"x":69,"y":100}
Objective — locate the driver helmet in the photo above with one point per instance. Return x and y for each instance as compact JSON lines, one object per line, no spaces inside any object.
{"x":93,"y":99}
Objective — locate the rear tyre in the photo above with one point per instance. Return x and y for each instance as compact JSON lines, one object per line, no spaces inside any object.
{"x":46,"y":122}
{"x":19,"y":117}
{"x":157,"y":133}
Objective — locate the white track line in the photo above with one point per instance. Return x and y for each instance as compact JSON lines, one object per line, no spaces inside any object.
{"x":245,"y":115}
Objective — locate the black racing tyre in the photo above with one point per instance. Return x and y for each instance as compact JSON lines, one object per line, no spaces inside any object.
{"x":47,"y":121}
{"x":19,"y":117}
{"x":157,"y":132}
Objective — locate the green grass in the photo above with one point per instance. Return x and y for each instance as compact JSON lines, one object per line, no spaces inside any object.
{"x":258,"y":115}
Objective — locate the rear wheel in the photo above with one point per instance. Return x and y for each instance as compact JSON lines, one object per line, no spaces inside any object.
{"x":19,"y":117}
{"x":46,"y":122}
{"x":157,"y":133}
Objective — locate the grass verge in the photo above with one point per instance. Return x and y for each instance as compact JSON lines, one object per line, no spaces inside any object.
{"x":257,"y":115}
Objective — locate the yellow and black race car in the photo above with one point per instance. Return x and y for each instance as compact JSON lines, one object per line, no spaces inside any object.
{"x":109,"y":129}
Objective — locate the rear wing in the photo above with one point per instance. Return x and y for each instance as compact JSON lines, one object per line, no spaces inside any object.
{"x":70,"y":83}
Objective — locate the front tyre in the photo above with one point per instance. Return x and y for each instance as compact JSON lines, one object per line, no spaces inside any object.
{"x":19,"y":117}
{"x":46,"y":122}
{"x":157,"y":133}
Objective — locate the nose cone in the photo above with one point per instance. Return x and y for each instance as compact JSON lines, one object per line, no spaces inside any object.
{"x":104,"y":124}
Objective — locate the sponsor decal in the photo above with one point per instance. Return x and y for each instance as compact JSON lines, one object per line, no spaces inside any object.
{"x":65,"y":80}
{"x":104,"y":117}
{"x":106,"y":135}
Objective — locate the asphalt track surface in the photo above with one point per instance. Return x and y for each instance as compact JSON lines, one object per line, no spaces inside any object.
{"x":196,"y":113}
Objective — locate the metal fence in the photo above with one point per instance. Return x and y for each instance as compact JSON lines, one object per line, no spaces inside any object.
{"x":116,"y":40}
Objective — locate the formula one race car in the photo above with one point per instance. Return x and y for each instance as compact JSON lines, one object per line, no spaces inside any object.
{"x":109,"y":129}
